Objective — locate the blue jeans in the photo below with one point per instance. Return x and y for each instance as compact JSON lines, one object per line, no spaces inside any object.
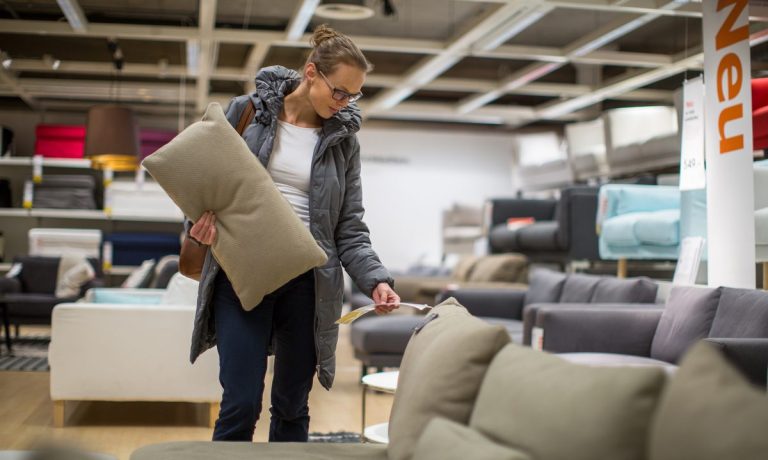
{"x":286,"y":318}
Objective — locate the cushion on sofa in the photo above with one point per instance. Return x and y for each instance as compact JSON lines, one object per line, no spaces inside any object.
{"x":631,"y":290}
{"x":541,"y":236}
{"x":206,"y":450}
{"x":463,"y":269}
{"x":660,"y":228}
{"x":502,"y":239}
{"x":447,"y":440}
{"x":620,"y":230}
{"x":647,"y":198}
{"x":500,"y":267}
{"x":208,"y":166}
{"x":687,"y":317}
{"x":555,"y":410}
{"x":742,"y":313}
{"x":579,"y":288}
{"x":544,"y":286}
{"x":709,"y":412}
{"x":441,"y":372}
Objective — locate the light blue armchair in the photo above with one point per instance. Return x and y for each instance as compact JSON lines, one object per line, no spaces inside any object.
{"x":642,"y":222}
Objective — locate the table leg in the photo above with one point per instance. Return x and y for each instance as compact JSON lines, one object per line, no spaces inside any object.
{"x":362,"y":422}
{"x":7,"y":328}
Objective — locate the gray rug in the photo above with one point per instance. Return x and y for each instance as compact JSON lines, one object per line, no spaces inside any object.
{"x":30,"y":353}
{"x":339,"y":436}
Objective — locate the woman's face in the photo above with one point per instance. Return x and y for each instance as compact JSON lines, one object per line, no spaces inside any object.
{"x":330,"y":93}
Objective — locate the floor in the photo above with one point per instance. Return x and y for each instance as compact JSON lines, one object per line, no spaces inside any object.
{"x":118,"y":428}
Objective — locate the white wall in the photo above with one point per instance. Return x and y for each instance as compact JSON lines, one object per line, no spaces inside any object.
{"x":409,"y":176}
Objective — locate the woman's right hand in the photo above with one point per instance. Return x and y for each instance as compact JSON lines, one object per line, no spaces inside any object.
{"x":204,"y":230}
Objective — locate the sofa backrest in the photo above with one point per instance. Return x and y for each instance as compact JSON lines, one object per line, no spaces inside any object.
{"x":687,"y":318}
{"x":549,"y":286}
{"x":741,"y":313}
{"x":39,"y":273}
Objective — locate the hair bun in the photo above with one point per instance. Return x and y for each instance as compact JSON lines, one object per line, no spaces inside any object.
{"x":322,"y":33}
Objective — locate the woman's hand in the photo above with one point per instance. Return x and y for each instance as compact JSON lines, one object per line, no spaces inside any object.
{"x":385,"y":299}
{"x":204,"y":230}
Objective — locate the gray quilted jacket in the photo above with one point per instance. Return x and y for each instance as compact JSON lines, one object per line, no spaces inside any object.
{"x":336,"y":215}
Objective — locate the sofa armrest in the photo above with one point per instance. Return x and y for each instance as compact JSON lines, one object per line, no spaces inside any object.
{"x":530,"y":312}
{"x":748,"y":355}
{"x":9,"y":286}
{"x":493,"y":303}
{"x":599,"y":330}
{"x":504,"y":208}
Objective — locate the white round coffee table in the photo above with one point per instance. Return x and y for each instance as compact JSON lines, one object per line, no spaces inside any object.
{"x":385,"y":382}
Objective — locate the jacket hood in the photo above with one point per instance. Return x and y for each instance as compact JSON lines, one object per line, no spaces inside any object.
{"x":275,"y":82}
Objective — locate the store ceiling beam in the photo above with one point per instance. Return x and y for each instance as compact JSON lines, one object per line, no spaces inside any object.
{"x":74,"y":14}
{"x":300,"y":19}
{"x":207,"y":57}
{"x":16,"y":89}
{"x":507,"y":16}
{"x":253,"y":63}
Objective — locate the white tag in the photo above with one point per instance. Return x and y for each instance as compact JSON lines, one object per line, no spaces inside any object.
{"x":37,"y":168}
{"x":107,"y":255}
{"x":108,"y":200}
{"x":109,"y":176}
{"x":537,"y":338}
{"x":140,"y":174}
{"x":29,"y":190}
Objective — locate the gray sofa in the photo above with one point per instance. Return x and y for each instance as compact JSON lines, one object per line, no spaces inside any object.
{"x":736,"y":320}
{"x":465,"y":392}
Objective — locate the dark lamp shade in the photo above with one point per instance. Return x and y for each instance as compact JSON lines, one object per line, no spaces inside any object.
{"x":111,"y":130}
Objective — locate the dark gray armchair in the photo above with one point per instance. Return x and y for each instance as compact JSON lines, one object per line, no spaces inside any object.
{"x":29,"y":297}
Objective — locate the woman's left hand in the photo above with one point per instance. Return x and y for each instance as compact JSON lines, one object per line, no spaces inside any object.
{"x":385,"y":299}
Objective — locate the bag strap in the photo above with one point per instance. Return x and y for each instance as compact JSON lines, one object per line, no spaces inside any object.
{"x":245,"y":117}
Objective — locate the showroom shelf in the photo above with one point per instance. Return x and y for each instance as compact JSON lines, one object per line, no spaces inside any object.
{"x":84,"y":214}
{"x":78,"y":163}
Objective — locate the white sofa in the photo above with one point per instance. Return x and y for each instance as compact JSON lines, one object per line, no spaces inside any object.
{"x":130,"y":352}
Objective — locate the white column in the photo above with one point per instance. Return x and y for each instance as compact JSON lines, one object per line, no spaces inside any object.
{"x":730,"y":199}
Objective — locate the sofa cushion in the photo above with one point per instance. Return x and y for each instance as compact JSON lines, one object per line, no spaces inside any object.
{"x":708,"y":412}
{"x":141,"y":276}
{"x":111,"y":295}
{"x":620,"y":230}
{"x":615,"y":359}
{"x":500,"y":267}
{"x":555,"y":410}
{"x":180,"y":291}
{"x":502,"y":239}
{"x":579,"y":288}
{"x":660,"y":228}
{"x":647,"y":198}
{"x":446,"y":440}
{"x":208,"y":166}
{"x":463,"y":268}
{"x":742,"y":313}
{"x":383,"y":334}
{"x":539,"y":236}
{"x":687,"y":317}
{"x":544,"y":286}
{"x":441,"y":372}
{"x":632,"y":290}
{"x":206,"y":450}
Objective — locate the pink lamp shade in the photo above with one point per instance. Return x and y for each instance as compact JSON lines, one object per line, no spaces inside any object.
{"x":153,"y":139}
{"x":760,"y":113}
{"x":60,"y":141}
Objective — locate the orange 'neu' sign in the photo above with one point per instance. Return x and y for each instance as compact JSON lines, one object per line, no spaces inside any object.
{"x":730,"y":78}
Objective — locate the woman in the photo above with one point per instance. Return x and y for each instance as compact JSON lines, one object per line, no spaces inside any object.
{"x":303,"y":132}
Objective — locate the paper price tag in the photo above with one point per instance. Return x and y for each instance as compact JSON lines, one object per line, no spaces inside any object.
{"x":109,"y":176}
{"x":37,"y":169}
{"x":355,"y":314}
{"x":140,"y":178}
{"x":537,"y":338}
{"x":108,"y":198}
{"x":29,"y":188}
{"x":107,"y":255}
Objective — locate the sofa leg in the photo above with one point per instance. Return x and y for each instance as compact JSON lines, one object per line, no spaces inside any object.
{"x":58,"y":413}
{"x":621,"y":268}
{"x":765,"y":276}
{"x":213,"y":414}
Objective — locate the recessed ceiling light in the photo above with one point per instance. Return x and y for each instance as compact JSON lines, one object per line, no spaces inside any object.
{"x":345,"y":10}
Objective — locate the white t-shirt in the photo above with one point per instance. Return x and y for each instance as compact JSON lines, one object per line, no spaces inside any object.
{"x":290,"y":164}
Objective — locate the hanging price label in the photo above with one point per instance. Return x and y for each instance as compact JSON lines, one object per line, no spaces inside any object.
{"x":37,"y":168}
{"x":140,"y":176}
{"x":106,"y":255}
{"x":109,"y":176}
{"x":29,"y":188}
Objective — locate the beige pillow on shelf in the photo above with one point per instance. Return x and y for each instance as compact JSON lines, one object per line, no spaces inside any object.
{"x":442,"y":369}
{"x":262,"y":244}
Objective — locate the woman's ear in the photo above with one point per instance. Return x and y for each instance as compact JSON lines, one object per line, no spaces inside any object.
{"x":310,"y":71}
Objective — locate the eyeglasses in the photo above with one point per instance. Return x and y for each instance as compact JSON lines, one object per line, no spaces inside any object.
{"x":340,"y":94}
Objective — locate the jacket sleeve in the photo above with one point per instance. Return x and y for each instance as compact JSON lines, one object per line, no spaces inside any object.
{"x":352,"y":235}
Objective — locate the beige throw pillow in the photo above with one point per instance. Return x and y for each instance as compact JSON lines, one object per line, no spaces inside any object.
{"x":440,"y":375}
{"x":710,"y":412}
{"x":555,"y":410}
{"x":73,"y":273}
{"x":262,"y":244}
{"x":447,"y":440}
{"x":512,"y":268}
